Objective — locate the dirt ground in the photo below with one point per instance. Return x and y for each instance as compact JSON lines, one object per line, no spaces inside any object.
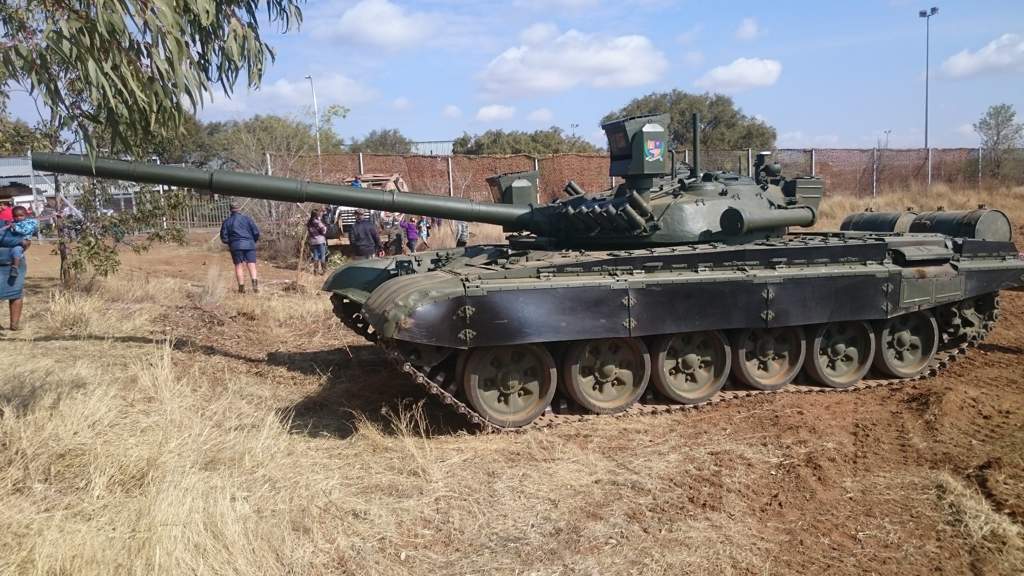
{"x":160,"y":423}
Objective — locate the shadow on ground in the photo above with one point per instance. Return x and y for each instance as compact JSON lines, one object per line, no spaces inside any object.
{"x":362,"y":387}
{"x":359,"y":386}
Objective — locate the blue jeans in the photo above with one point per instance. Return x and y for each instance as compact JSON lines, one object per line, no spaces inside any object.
{"x":318,"y":252}
{"x":17,"y":251}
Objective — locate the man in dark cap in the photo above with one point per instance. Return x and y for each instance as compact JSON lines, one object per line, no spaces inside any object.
{"x":240,"y":233}
{"x":363,"y":237}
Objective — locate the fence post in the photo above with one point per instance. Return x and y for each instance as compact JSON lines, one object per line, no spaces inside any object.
{"x":750,"y":162}
{"x":929,"y":168}
{"x":686,"y":155}
{"x":874,"y":172}
{"x":451,"y":180}
{"x":360,"y":162}
{"x":814,"y":166}
{"x":979,"y":167}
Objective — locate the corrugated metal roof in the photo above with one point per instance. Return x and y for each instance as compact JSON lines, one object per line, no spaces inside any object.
{"x":433,"y":148}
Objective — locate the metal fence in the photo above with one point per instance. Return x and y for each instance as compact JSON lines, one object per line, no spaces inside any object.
{"x":201,"y":212}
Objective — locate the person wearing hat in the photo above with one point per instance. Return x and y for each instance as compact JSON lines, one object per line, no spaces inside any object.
{"x":240,"y":234}
{"x":363,"y":237}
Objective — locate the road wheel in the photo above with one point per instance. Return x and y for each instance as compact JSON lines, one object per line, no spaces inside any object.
{"x":509,"y":386}
{"x":691,"y":367}
{"x":768,"y":358}
{"x":906,"y":344}
{"x":606,"y":376}
{"x":840,"y":353}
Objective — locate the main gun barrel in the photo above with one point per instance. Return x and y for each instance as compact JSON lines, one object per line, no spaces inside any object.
{"x":292,"y":190}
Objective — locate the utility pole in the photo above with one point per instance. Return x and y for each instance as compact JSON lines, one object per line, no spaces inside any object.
{"x":927,"y":15}
{"x":316,"y":125}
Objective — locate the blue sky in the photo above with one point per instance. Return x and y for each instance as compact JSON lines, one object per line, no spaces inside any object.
{"x":825,"y":74}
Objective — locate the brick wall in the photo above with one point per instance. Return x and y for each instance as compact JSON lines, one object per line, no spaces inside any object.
{"x":845,"y":171}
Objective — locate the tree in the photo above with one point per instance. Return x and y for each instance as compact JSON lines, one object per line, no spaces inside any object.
{"x":244,"y":144}
{"x":723,"y":125}
{"x":135,"y":67}
{"x":540,"y":142}
{"x":131,"y":71}
{"x":17,"y":137}
{"x":1000,"y":133}
{"x":383,"y":141}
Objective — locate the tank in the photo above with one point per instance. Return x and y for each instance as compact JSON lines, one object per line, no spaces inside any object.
{"x":676,"y":288}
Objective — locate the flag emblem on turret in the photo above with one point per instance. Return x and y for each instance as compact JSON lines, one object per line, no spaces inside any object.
{"x":655,"y":150}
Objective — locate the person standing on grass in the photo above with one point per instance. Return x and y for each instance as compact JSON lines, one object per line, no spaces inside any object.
{"x":240,"y":234}
{"x":412,"y":233}
{"x":12,"y":281}
{"x":13,"y":236}
{"x":317,"y":233}
{"x":363,"y":237}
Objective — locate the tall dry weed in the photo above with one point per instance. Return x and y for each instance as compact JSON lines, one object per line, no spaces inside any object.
{"x":81,"y":314}
{"x":835,"y":207}
{"x":213,"y":289}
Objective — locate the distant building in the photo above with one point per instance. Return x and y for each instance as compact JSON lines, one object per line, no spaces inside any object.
{"x":17,"y":179}
{"x":433,"y":148}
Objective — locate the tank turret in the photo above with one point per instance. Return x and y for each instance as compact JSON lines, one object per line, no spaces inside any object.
{"x":653,"y":206}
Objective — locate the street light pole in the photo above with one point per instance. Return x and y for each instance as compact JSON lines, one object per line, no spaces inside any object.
{"x":316,"y":125}
{"x":927,"y":15}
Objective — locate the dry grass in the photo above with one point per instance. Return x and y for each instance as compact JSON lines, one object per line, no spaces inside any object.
{"x":122,"y":452}
{"x":997,"y":543}
{"x":835,"y":207}
{"x":120,"y":456}
{"x":108,"y":308}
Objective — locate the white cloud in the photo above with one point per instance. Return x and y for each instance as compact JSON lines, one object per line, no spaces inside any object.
{"x":541,"y":116}
{"x":378,"y":23}
{"x":572,"y":59}
{"x":401,"y":103}
{"x":967,"y":131}
{"x":800,"y":139}
{"x":495,"y":112}
{"x":289,"y":95}
{"x":690,"y":35}
{"x":793,"y":139}
{"x":451,"y":111}
{"x":558,"y":4}
{"x":748,"y":29}
{"x":693,"y":58}
{"x":742,"y":74}
{"x":1003,"y":53}
{"x":538,"y":33}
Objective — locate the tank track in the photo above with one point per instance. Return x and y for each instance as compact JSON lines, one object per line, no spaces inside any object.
{"x":652,"y":404}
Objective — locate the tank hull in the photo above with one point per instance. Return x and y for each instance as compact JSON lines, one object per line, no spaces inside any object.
{"x":432,"y":311}
{"x":551,"y":296}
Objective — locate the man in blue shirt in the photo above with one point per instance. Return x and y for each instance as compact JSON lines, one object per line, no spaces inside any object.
{"x":240,"y":233}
